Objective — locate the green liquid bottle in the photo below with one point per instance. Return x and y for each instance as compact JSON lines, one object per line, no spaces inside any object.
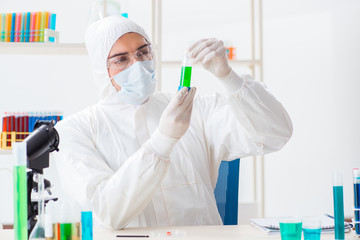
{"x":20,"y":192}
{"x":186,"y":69}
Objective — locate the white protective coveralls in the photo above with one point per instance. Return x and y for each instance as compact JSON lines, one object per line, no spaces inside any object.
{"x":113,"y":156}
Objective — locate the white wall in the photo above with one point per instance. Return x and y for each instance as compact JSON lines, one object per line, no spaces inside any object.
{"x":311,"y":56}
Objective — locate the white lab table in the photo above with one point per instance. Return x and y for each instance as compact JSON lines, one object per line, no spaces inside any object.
{"x":247,"y":232}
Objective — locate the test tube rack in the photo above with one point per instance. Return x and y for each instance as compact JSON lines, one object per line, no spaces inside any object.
{"x":17,"y":126}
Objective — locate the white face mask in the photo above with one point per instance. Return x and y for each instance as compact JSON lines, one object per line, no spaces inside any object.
{"x":137,"y":83}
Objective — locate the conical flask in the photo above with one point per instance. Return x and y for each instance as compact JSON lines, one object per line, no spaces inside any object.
{"x":38,"y":231}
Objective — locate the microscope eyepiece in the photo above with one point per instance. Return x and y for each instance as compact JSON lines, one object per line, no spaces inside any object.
{"x":40,"y":143}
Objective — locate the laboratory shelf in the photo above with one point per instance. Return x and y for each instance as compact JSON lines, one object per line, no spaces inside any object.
{"x":235,"y":62}
{"x":5,"y":152}
{"x":38,"y":48}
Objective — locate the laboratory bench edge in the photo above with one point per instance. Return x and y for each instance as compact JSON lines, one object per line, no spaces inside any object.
{"x":247,"y":232}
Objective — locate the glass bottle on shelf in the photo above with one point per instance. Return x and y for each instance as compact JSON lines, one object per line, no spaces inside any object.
{"x":97,"y":11}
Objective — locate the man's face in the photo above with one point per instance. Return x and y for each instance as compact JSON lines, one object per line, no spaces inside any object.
{"x":124,"y":47}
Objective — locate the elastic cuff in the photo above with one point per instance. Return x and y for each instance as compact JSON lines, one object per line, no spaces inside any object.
{"x":232,"y":82}
{"x":161,"y":144}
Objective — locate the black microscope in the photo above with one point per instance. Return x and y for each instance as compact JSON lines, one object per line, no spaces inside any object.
{"x":39,"y":144}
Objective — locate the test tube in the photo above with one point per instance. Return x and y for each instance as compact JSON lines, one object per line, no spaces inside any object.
{"x":86,"y":223}
{"x":65,"y":221}
{"x":52,"y":218}
{"x":56,"y":221}
{"x":338,"y":205}
{"x":186,"y":69}
{"x":76,"y":222}
{"x":356,"y":174}
{"x":20,"y":192}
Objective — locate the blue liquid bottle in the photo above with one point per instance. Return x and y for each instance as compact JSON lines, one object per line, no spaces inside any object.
{"x":86,"y":223}
{"x":338,"y":205}
{"x":356,"y":174}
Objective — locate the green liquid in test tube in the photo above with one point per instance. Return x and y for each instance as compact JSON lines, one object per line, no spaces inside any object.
{"x":65,"y":231}
{"x":185,"y":79}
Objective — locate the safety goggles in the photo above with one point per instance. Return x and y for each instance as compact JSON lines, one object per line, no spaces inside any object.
{"x":123,"y":61}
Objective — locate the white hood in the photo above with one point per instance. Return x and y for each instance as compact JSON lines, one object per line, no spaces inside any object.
{"x":99,"y":39}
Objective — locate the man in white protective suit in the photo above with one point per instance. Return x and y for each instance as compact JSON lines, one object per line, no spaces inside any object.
{"x":151,"y":159}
